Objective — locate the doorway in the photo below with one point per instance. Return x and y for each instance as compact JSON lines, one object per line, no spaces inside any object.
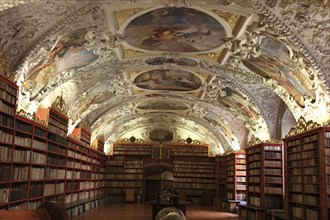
{"x":151,"y":187}
{"x":152,"y":176}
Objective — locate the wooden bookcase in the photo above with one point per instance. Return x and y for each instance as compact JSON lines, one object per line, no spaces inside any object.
{"x":265,"y":175}
{"x":8,"y":94}
{"x":221,"y":172}
{"x":307,"y":176}
{"x":38,"y":162}
{"x":124,"y":169}
{"x":236,"y":176}
{"x":193,"y":170}
{"x":264,"y":180}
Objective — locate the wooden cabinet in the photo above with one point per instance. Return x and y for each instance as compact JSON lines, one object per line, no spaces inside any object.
{"x":221,"y":174}
{"x":236,"y":176}
{"x":193,"y":169}
{"x":265,"y":175}
{"x":38,"y":162}
{"x":308,"y":174}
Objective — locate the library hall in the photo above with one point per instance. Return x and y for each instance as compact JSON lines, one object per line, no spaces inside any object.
{"x":165,"y":109}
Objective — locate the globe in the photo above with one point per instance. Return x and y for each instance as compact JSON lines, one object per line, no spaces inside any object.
{"x":170,"y":213}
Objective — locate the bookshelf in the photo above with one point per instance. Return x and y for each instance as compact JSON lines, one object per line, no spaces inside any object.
{"x":307,"y":176}
{"x":221,"y":174}
{"x":236,"y":176}
{"x":8,"y":189}
{"x":125,"y":169}
{"x":193,"y":170}
{"x":39,"y":163}
{"x":264,"y":179}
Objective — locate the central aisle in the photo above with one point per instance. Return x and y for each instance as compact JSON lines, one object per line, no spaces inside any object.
{"x":128,"y":211}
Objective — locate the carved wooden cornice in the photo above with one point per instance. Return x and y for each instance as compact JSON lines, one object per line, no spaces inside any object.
{"x":255,"y":141}
{"x":129,"y":141}
{"x":5,"y":67}
{"x":302,"y":126}
{"x":27,"y":115}
{"x":85,"y":124}
{"x":185,"y":141}
{"x":59,"y":104}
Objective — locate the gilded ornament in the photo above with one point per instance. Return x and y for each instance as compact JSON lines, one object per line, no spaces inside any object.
{"x":74,"y":137}
{"x":123,"y":15}
{"x":5,"y":67}
{"x":302,"y":126}
{"x":85,"y":124}
{"x":229,"y":17}
{"x":59,"y":104}
{"x":27,"y":115}
{"x":127,"y":141}
{"x":255,"y":141}
{"x":130,"y":52}
{"x":101,"y":138}
{"x":187,"y":141}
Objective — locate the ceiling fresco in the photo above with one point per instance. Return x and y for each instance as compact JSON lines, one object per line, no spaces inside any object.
{"x":162,"y":105}
{"x":218,"y":71}
{"x":68,"y":53}
{"x":175,"y":30}
{"x":173,"y":80}
{"x":275,"y":62}
{"x":165,"y":60}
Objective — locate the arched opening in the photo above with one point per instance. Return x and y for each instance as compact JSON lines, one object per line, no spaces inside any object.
{"x":152,"y":177}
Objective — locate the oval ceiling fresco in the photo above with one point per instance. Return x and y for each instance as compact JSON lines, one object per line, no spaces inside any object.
{"x":172,"y":80}
{"x":175,"y":30}
{"x":162,"y":105}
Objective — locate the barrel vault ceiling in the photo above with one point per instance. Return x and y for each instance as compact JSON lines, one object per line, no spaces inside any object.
{"x":217,"y":71}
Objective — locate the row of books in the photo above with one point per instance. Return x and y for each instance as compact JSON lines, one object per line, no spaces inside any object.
{"x":22,"y":126}
{"x":21,"y":173}
{"x":124,"y":184}
{"x":192,"y":174}
{"x":273,"y":155}
{"x":6,"y":153}
{"x":4,"y":119}
{"x":8,"y":88}
{"x":59,"y":123}
{"x":193,"y":185}
{"x":302,"y":213}
{"x":6,"y":137}
{"x":57,"y":130}
{"x":194,"y":171}
{"x":23,"y":141}
{"x":124,"y":176}
{"x":7,"y":96}
{"x":40,"y":132}
{"x":195,"y":180}
{"x":18,"y":192}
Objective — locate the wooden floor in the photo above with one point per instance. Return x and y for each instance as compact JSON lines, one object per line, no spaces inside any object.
{"x":127,"y":211}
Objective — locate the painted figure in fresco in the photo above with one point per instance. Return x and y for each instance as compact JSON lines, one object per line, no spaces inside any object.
{"x":68,"y":53}
{"x":239,"y":103}
{"x":168,"y":80}
{"x":275,"y":62}
{"x":176,"y":30}
{"x":177,"y":34}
